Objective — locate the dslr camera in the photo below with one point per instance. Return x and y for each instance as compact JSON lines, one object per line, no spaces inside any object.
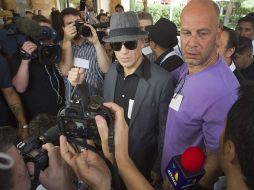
{"x":82,"y":29}
{"x":77,"y":119}
{"x":31,"y":150}
{"x":85,"y":30}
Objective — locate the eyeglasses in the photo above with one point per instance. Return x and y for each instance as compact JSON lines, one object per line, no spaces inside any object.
{"x":130,"y":45}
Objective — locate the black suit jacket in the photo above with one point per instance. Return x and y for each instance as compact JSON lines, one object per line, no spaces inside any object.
{"x":148,"y":119}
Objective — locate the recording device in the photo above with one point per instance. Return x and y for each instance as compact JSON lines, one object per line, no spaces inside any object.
{"x":184,"y":171}
{"x":31,"y":151}
{"x":77,"y":119}
{"x":47,"y":54}
{"x":82,"y":29}
{"x":85,"y":30}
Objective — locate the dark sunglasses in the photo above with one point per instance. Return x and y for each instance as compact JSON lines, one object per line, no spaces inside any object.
{"x":130,"y":45}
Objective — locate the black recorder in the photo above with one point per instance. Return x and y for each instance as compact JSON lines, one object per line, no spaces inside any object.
{"x":77,"y":119}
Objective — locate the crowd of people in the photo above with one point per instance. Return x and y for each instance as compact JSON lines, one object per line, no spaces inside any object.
{"x":166,"y":94}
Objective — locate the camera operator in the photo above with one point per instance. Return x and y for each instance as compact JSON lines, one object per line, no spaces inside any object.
{"x":56,"y":176}
{"x":40,"y":84}
{"x":88,"y":49}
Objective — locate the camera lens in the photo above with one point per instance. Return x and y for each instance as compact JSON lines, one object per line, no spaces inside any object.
{"x":86,"y":31}
{"x":49,"y":52}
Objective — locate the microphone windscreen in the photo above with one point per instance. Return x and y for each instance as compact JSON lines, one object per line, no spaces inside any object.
{"x":29,"y":27}
{"x":192,"y":159}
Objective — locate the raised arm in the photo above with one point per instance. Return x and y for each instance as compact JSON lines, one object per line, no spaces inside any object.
{"x":102,"y":57}
{"x":21,"y":78}
{"x":66,"y":62}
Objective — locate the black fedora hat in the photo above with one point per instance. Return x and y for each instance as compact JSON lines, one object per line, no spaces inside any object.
{"x":163,"y":33}
{"x":124,"y":27}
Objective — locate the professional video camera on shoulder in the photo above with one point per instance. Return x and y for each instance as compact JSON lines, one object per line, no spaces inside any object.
{"x":47,"y":52}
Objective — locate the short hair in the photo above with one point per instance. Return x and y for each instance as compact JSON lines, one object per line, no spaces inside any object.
{"x":244,"y":44}
{"x":145,"y":16}
{"x":41,"y":123}
{"x":119,"y":6}
{"x":240,"y":130}
{"x":247,"y":18}
{"x":41,"y":18}
{"x":232,"y":39}
{"x":101,"y":14}
{"x":69,"y":11}
{"x":8,"y":136}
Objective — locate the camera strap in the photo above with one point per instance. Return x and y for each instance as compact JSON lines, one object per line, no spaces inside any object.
{"x":82,"y":144}
{"x":35,"y":179}
{"x":113,"y":167}
{"x":25,"y":55}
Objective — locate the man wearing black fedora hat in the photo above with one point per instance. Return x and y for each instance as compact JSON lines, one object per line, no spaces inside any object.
{"x":142,"y":88}
{"x":163,"y":38}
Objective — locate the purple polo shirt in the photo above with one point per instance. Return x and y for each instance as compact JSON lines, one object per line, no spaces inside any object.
{"x":207,"y":97}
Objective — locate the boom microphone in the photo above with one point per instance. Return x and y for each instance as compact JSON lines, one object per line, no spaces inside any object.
{"x":29,"y":28}
{"x":184,"y":171}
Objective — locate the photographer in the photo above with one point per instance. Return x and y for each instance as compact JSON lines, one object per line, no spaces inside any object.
{"x":40,"y":85}
{"x":88,"y":49}
{"x":56,"y":176}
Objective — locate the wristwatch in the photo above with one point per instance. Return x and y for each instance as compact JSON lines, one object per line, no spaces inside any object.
{"x":25,"y":126}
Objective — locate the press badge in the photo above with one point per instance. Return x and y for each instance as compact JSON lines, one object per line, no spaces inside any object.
{"x":83,"y":63}
{"x":131,"y":103}
{"x":176,"y":102}
{"x":147,"y":50}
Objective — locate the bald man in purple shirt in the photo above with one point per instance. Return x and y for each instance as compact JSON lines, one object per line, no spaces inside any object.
{"x":205,"y":91}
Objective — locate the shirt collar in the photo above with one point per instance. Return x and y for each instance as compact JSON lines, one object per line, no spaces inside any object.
{"x":143,"y":70}
{"x":160,"y":58}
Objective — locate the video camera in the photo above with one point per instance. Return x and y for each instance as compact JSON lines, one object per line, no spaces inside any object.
{"x":47,"y":54}
{"x":85,"y":30}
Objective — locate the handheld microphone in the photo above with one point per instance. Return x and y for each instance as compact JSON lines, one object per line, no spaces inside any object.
{"x":184,"y":171}
{"x":29,"y":27}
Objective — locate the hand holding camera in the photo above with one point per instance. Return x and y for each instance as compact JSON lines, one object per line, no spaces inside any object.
{"x":57,"y":175}
{"x":121,"y":133}
{"x":70,"y":31}
{"x":87,"y":31}
{"x":87,"y":165}
{"x":29,"y":47}
{"x":27,"y":50}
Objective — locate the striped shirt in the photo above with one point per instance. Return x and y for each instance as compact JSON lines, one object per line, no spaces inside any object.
{"x":94,"y":76}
